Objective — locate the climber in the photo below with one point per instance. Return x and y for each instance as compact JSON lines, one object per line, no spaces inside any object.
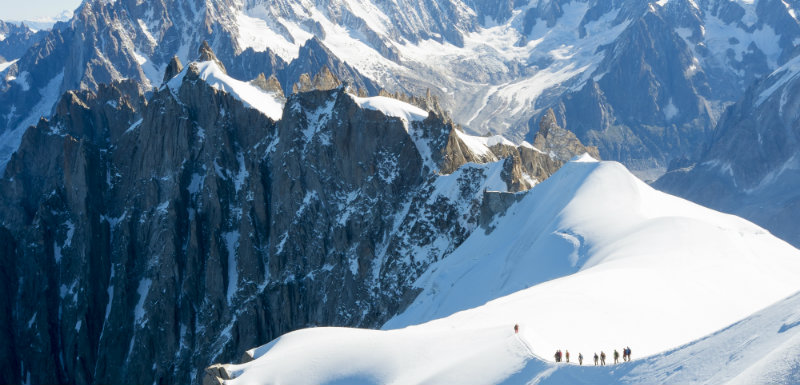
{"x":516,"y":328}
{"x":566,"y":354}
{"x":602,"y":358}
{"x":580,"y":359}
{"x":616,"y":356}
{"x":595,"y":358}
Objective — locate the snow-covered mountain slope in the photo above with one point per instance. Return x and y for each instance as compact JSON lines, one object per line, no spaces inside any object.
{"x":497,"y":67}
{"x":590,"y":260}
{"x":761,"y":349}
{"x":595,"y":238}
{"x":751,"y":166}
{"x":268,"y":103}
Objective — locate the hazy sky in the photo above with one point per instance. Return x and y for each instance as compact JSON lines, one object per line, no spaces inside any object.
{"x":34,"y":9}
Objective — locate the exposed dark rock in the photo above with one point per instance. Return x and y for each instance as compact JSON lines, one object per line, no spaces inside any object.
{"x":207,"y":231}
{"x":495,"y":203}
{"x":173,"y":69}
{"x":161,"y":235}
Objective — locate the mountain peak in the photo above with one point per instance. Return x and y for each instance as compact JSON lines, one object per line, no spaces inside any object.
{"x":207,"y":54}
{"x":270,"y":84}
{"x":561,"y":143}
{"x":173,"y":68}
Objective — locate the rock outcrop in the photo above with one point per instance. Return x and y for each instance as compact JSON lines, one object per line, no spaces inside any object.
{"x":16,"y":39}
{"x":173,"y":68}
{"x":206,"y":54}
{"x":270,"y":85}
{"x":324,"y":80}
{"x":559,"y":143}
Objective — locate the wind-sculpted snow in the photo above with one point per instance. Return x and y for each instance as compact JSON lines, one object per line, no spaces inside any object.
{"x":595,"y":238}
{"x":591,"y":259}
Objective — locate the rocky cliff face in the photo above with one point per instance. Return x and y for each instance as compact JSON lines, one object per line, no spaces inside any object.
{"x":147,"y":237}
{"x":750,"y":167}
{"x":561,"y":144}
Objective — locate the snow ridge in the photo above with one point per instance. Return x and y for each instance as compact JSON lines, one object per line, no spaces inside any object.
{"x":267,"y":103}
{"x":588,"y":260}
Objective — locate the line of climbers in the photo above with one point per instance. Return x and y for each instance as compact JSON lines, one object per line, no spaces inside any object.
{"x":626,"y":356}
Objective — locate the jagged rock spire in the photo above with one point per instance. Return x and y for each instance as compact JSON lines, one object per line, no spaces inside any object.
{"x":270,"y":85}
{"x":173,"y":68}
{"x":324,"y":80}
{"x":303,"y":84}
{"x":207,"y":54}
{"x":559,"y":142}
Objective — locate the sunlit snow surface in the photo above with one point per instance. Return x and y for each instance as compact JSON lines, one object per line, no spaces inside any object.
{"x":392,"y":107}
{"x":5,"y":65}
{"x":591,"y":259}
{"x":266,"y":102}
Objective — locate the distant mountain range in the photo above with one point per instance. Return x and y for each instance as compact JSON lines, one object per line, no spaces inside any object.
{"x":751,"y":167}
{"x":645,"y":82}
{"x":43,"y":23}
